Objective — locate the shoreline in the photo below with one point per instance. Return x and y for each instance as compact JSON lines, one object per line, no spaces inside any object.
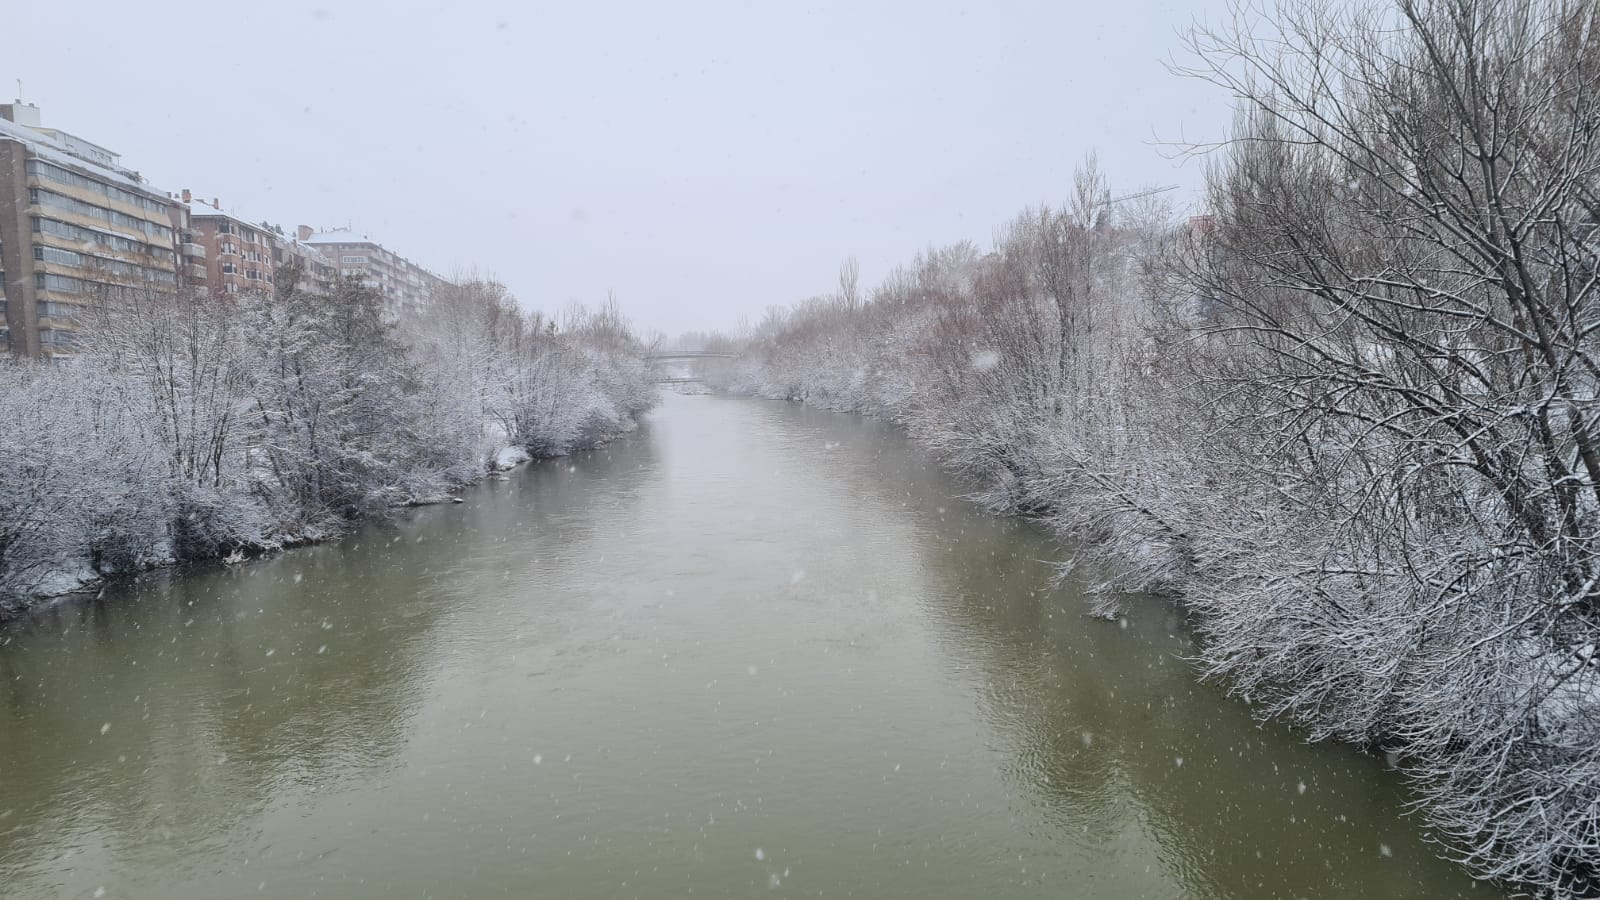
{"x":503,"y":460}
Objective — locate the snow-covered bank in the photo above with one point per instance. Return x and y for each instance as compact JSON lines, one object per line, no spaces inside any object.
{"x":202,"y":428}
{"x":54,"y":583}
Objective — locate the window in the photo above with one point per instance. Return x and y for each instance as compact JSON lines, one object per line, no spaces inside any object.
{"x":101,"y":264}
{"x":50,"y":172}
{"x":362,"y":260}
{"x":227,"y":269}
{"x":61,"y":284}
{"x":57,"y":310}
{"x":41,"y":197}
{"x":58,"y":256}
{"x":42,"y":225}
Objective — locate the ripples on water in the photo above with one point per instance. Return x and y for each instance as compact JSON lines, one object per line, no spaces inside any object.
{"x":752,"y":648}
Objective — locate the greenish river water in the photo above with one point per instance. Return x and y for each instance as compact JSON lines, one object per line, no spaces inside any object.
{"x":752,"y":649}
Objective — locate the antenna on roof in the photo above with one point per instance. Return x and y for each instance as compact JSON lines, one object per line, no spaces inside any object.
{"x":19,"y":90}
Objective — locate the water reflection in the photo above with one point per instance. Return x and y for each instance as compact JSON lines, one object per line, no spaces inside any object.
{"x":1112,"y":736}
{"x":149,"y":728}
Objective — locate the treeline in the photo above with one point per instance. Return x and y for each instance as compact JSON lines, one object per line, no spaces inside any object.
{"x":196,"y":426}
{"x":1350,"y":416}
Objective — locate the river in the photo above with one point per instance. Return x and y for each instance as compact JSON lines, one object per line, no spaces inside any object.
{"x":750,"y":649}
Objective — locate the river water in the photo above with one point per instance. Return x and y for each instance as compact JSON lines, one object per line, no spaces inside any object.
{"x":752,"y":649}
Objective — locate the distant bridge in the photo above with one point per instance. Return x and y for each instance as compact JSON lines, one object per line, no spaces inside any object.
{"x":656,"y":357}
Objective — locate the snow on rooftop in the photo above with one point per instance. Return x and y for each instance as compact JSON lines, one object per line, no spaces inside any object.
{"x":339,"y":236}
{"x":349,"y":236}
{"x":48,"y":147}
{"x":198,"y":207}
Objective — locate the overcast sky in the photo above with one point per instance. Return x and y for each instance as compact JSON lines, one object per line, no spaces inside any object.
{"x":702,"y":160}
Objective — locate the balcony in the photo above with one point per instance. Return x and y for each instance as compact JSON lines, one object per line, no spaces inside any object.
{"x":196,"y":272}
{"x":194,"y":251}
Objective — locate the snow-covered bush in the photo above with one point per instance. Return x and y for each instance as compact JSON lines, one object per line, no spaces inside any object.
{"x":194,"y":427}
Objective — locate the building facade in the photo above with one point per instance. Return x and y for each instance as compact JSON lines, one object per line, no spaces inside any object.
{"x":226,"y":253}
{"x":406,"y":286}
{"x":76,"y":227}
{"x":237,"y":256}
{"x":316,"y":273}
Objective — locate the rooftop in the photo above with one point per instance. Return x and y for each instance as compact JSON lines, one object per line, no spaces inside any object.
{"x":49,"y":144}
{"x":198,"y":207}
{"x":340,"y":236}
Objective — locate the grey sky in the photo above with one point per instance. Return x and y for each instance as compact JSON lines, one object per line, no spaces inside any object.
{"x":703,"y":160}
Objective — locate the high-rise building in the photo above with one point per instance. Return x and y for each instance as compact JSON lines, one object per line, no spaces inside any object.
{"x":405,"y":285}
{"x":76,"y":227}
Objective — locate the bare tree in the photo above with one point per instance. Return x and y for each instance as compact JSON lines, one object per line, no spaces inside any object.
{"x":1405,"y":264}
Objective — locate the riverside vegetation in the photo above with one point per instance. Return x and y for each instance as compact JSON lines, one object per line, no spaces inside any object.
{"x":195,"y":426}
{"x":1349,"y":417}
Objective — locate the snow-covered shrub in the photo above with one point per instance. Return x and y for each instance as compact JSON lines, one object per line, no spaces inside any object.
{"x":193,"y":426}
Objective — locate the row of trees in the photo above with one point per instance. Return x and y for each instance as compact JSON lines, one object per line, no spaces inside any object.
{"x":192,"y":426}
{"x":1351,"y":416}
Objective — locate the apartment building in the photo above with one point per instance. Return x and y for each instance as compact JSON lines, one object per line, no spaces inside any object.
{"x":405,"y":285}
{"x":76,"y":227}
{"x":227,"y":253}
{"x":237,"y":255}
{"x":316,"y":273}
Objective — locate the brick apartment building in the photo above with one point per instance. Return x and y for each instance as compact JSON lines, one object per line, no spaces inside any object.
{"x":228,"y":254}
{"x":237,"y":256}
{"x":75,"y":227}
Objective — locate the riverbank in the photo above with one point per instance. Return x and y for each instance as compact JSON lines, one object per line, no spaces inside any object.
{"x":193,"y":428}
{"x":54,"y":585}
